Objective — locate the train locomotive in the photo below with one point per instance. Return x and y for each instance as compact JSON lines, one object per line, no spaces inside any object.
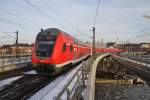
{"x":54,"y":49}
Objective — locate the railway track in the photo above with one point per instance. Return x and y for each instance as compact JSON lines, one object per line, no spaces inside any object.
{"x":24,"y":87}
{"x":28,"y":85}
{"x":140,"y":70}
{"x":138,"y":58}
{"x":141,"y":59}
{"x":15,"y":73}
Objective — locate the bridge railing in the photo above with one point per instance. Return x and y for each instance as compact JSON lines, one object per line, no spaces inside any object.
{"x":74,"y":88}
{"x":82,"y":83}
{"x":90,"y":90}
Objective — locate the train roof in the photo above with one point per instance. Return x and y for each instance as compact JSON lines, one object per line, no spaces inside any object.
{"x":53,"y":31}
{"x":56,"y":31}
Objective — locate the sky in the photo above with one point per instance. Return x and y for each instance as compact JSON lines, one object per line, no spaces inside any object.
{"x":117,"y":20}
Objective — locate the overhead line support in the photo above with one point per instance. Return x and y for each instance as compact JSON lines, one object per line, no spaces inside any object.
{"x":16,"y":46}
{"x":93,"y":46}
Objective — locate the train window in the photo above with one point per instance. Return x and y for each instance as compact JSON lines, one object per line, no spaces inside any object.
{"x":64,"y":48}
{"x":71,"y":48}
{"x":46,"y":38}
{"x":48,"y":33}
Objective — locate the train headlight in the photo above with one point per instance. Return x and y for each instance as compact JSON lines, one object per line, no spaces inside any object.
{"x":38,"y":53}
{"x":47,"y":54}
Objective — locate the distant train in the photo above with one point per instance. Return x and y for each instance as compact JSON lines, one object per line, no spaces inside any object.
{"x":54,"y":49}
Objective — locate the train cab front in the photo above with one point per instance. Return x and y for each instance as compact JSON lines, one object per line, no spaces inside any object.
{"x":43,"y":51}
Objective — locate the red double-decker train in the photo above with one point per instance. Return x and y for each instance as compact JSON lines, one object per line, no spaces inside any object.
{"x":54,"y":49}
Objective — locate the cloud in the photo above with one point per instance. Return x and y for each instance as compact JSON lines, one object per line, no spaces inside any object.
{"x":116,"y":18}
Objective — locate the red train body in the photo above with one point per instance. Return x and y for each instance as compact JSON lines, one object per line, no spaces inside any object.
{"x":53,"y":49}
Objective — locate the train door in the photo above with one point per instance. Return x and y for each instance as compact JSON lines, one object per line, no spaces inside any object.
{"x":74,"y":54}
{"x":71,"y":53}
{"x":68,"y":52}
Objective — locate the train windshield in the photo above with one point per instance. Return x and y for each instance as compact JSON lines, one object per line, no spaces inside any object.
{"x":45,"y":45}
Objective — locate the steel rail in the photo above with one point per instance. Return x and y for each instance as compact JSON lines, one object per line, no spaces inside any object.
{"x":140,"y":70}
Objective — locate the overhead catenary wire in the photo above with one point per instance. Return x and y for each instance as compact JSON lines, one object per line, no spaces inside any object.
{"x":146,"y":16}
{"x":17,"y":16}
{"x":42,"y":12}
{"x":16,"y":23}
{"x":61,"y":18}
{"x":21,"y":24}
{"x":86,"y":30}
{"x":5,"y":38}
{"x":48,"y":16}
{"x":14,"y":14}
{"x":97,"y":8}
{"x":6,"y":33}
{"x":84,"y":34}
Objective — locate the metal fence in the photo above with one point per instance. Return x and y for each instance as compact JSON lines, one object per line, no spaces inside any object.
{"x":11,"y":59}
{"x":75,"y":87}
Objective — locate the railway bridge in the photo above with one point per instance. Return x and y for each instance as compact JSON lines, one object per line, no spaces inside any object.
{"x":112,"y":77}
{"x":97,"y":75}
{"x":106,"y":76}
